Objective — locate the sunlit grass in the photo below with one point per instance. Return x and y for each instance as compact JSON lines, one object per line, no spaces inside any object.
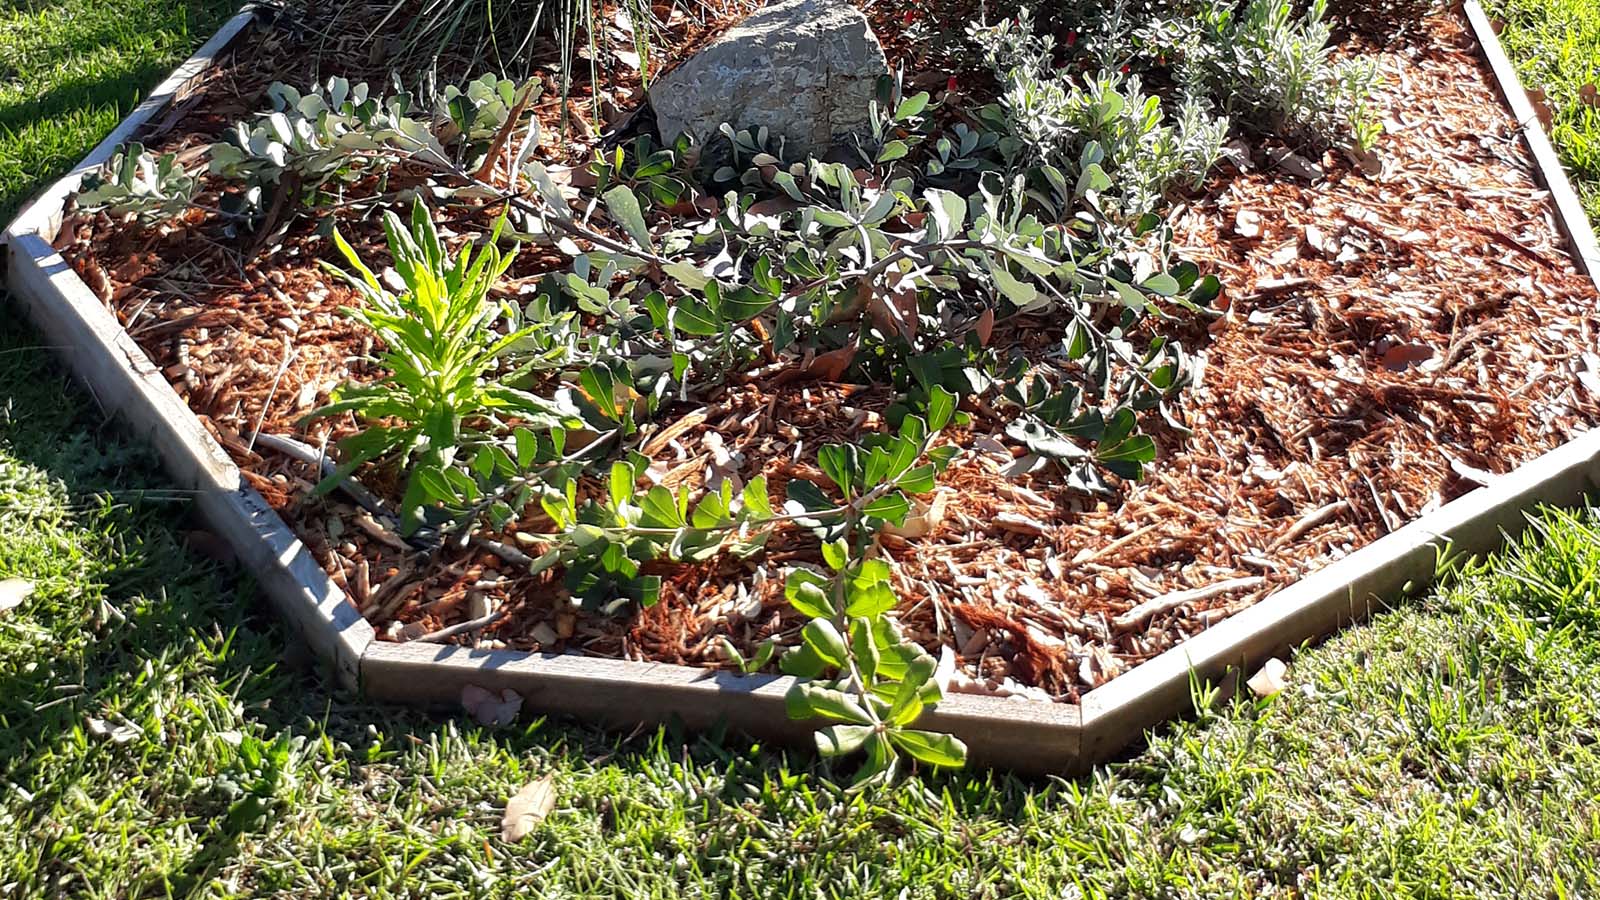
{"x":1556,"y":47}
{"x":69,"y":71}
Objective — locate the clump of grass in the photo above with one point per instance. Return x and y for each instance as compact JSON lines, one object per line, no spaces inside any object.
{"x":1556,"y":47}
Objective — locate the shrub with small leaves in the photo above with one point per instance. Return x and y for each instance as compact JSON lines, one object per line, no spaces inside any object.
{"x":1273,"y":71}
{"x":856,"y":669}
{"x":605,"y":542}
{"x":313,"y":144}
{"x":1048,"y":118}
{"x":478,"y":112}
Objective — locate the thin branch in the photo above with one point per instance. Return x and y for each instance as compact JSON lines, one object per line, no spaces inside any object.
{"x":443,"y":634}
{"x":309,"y":455}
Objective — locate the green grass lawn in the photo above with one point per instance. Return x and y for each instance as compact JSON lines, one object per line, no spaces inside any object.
{"x":153,"y":744}
{"x":71,"y":69}
{"x":1556,"y":47}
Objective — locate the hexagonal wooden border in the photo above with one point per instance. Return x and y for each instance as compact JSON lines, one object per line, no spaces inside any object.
{"x":1028,"y":736}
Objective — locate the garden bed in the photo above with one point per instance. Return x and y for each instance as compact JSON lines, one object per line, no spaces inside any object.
{"x":1395,"y":330}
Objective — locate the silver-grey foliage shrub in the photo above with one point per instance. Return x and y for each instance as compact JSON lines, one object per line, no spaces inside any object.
{"x":1050,"y":118}
{"x":1273,"y":72}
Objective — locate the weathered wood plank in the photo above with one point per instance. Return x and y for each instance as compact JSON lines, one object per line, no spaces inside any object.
{"x":127,"y":385}
{"x":1021,"y":735}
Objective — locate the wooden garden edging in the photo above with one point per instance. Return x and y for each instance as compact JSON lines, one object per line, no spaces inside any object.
{"x":124,"y":381}
{"x":1570,"y":217}
{"x":1025,"y":735}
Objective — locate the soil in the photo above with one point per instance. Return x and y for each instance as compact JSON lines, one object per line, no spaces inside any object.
{"x":1399,"y":329}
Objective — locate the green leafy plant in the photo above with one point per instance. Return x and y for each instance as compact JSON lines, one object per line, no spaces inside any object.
{"x":1273,"y":71}
{"x":605,"y":542}
{"x":652,"y":172}
{"x":1048,"y":119}
{"x":139,"y":184}
{"x":445,"y":387}
{"x":856,"y":669}
{"x":479,"y":111}
{"x":311,"y":144}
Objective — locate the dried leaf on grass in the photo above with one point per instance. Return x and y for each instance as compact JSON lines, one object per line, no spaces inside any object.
{"x":12,"y":592}
{"x":1541,"y":108}
{"x":120,"y":731}
{"x":1271,"y":679}
{"x":489,"y":708}
{"x":528,"y":808}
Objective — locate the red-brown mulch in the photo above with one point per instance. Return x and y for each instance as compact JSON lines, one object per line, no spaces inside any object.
{"x":1393,"y":338}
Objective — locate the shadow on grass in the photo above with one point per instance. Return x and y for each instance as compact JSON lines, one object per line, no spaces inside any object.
{"x":145,"y":603}
{"x":68,"y":61}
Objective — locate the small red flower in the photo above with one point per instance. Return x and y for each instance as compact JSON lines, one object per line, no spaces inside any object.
{"x":950,"y":85}
{"x":909,"y":17}
{"x":1072,"y":38}
{"x":1124,"y":68}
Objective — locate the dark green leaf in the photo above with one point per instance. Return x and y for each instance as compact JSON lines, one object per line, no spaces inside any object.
{"x":908,"y":700}
{"x":825,"y":641}
{"x":838,"y":462}
{"x":891,"y":507}
{"x":801,"y":662}
{"x":832,"y":704}
{"x":624,"y":209}
{"x":691,"y":316}
{"x":941,"y":405}
{"x":808,"y":495}
{"x":919,"y":480}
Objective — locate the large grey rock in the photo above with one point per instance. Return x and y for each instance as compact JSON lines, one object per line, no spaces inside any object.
{"x":806,"y":69}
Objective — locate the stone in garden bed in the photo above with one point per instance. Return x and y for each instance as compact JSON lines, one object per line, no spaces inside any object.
{"x":804,"y":69}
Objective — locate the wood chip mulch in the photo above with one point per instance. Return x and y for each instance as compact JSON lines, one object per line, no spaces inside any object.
{"x":1400,"y":330}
